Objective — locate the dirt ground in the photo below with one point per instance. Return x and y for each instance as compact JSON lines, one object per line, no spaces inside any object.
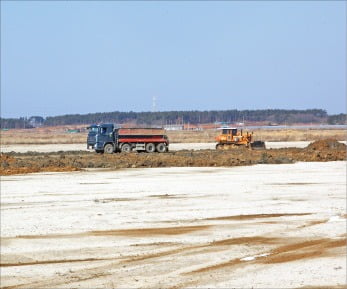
{"x":19,"y":163}
{"x":261,"y":226}
{"x":46,"y":148}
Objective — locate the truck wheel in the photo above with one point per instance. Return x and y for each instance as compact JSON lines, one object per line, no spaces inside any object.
{"x":108,"y":149}
{"x":150,"y":148}
{"x":161,"y":148}
{"x":125,"y":148}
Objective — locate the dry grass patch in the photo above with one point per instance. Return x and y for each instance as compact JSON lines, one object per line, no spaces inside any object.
{"x":59,"y":135}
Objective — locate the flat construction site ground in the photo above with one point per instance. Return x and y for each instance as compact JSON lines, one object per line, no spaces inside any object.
{"x":260,"y":226}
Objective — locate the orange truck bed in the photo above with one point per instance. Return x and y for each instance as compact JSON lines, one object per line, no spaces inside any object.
{"x":141,"y":131}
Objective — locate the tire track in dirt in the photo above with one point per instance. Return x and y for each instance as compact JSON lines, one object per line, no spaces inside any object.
{"x":296,"y":251}
{"x":134,"y":260}
{"x":324,"y":287}
{"x":44,"y":262}
{"x":143,"y":232}
{"x":322,"y":221}
{"x":126,"y":259}
{"x":306,"y":249}
{"x":218,"y":245}
{"x":303,"y":250}
{"x":239,"y":218}
{"x":139,"y":259}
{"x":49,"y":283}
{"x":313,"y":223}
{"x":255,"y":216}
{"x":96,"y":271}
{"x":137,"y":232}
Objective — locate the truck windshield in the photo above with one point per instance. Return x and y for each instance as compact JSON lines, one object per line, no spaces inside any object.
{"x":93,"y":129}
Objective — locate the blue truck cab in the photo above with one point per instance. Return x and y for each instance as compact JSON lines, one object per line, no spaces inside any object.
{"x":106,"y":136}
{"x":92,"y":131}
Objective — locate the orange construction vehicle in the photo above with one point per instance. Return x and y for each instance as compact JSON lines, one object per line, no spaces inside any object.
{"x":231,"y":138}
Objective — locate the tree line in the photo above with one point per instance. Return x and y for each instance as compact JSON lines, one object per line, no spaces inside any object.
{"x":266,"y":116}
{"x":337,"y":119}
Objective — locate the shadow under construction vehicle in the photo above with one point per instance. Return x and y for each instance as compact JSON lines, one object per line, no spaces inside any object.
{"x":105,"y":138}
{"x":231,"y":138}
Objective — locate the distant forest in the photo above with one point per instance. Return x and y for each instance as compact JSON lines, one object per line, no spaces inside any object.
{"x":264,"y":116}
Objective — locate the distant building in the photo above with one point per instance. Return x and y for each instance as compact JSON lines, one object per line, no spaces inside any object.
{"x":174,"y":127}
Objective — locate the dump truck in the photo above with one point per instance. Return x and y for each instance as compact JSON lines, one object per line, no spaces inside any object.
{"x":109,"y":139}
{"x":231,"y":138}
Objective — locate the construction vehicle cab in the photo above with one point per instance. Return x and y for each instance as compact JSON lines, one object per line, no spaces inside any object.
{"x":229,"y":131}
{"x":231,"y":137}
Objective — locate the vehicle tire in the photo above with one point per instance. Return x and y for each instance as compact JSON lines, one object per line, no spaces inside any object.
{"x":161,"y":148}
{"x":126,"y":148}
{"x":150,"y":147}
{"x":108,"y":149}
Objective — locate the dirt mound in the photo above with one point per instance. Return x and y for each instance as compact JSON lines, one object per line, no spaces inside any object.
{"x":319,"y":151}
{"x":6,"y":159}
{"x":326,"y":144}
{"x":13,"y":165}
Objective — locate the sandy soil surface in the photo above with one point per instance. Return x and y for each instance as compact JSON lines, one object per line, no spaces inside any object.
{"x":262,"y":226}
{"x":22,"y":148}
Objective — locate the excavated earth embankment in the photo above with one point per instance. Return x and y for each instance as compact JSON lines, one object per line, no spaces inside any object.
{"x":20,"y":163}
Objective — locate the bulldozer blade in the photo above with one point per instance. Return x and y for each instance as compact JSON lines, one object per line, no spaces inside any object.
{"x":219,"y":146}
{"x":258,"y":145}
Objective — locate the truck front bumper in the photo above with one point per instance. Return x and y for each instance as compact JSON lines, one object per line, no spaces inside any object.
{"x":99,"y":146}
